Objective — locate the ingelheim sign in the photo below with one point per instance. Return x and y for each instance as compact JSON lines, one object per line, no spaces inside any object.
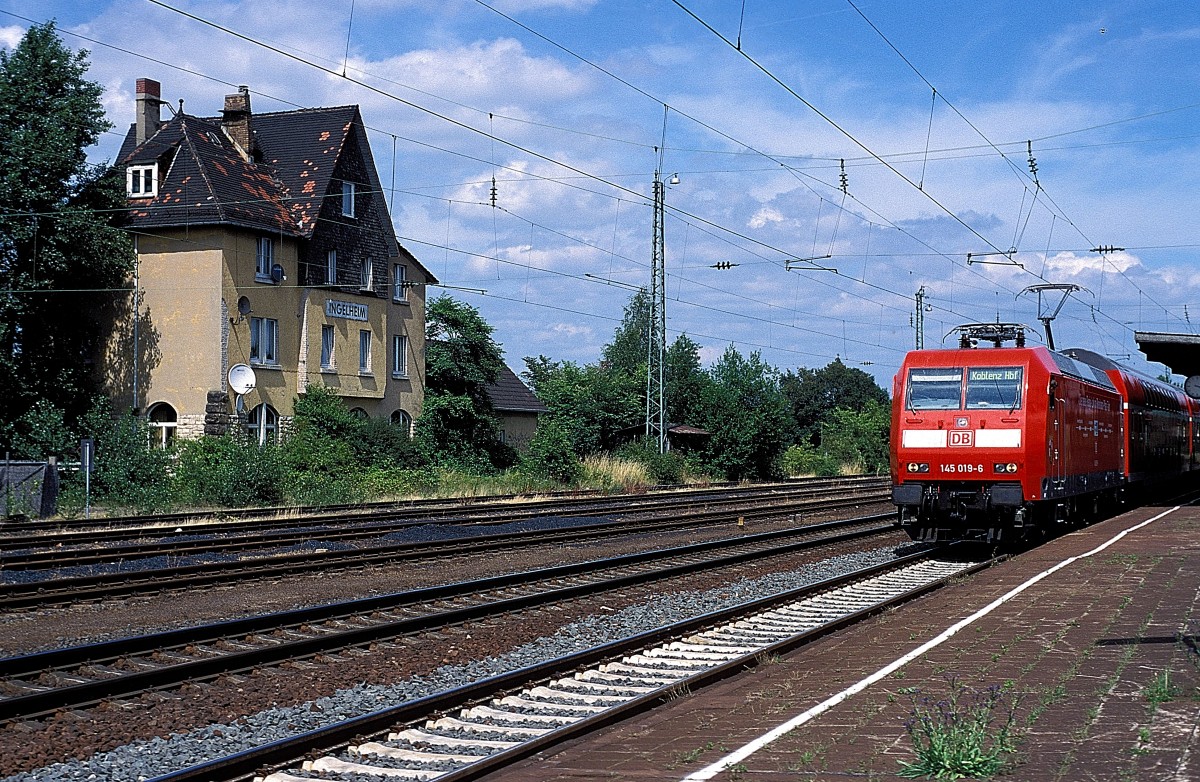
{"x":349,"y":310}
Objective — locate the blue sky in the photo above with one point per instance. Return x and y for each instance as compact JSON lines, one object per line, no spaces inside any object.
{"x":929,"y":109}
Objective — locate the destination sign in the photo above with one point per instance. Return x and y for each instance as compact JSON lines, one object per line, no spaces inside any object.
{"x":982,"y":375}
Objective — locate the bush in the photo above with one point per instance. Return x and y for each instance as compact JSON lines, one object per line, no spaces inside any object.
{"x":398,"y":483}
{"x":800,"y":460}
{"x":380,"y":444}
{"x":229,"y":471}
{"x":668,"y":469}
{"x":550,"y":453}
{"x":128,"y":471}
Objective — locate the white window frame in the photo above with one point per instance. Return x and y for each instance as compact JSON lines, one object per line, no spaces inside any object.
{"x":364,"y":352}
{"x":399,"y":280}
{"x":163,"y":430}
{"x":331,"y":267}
{"x":402,"y":418}
{"x":262,"y":423}
{"x":349,"y":192}
{"x":328,"y":356}
{"x":137,"y":178}
{"x":264,"y":259}
{"x":264,"y":342}
{"x":399,"y":356}
{"x":367,"y":273}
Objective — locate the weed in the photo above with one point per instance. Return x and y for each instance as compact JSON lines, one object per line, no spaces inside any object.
{"x":971,"y":733}
{"x":1160,"y":690}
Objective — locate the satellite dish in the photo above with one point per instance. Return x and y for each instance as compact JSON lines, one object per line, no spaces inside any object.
{"x":1191,"y":386}
{"x":241,"y":378}
{"x":244,"y":307}
{"x":277,"y":273}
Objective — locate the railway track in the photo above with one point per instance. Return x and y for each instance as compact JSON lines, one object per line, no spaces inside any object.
{"x":38,"y":684}
{"x":41,"y":552}
{"x":467,"y":732}
{"x":20,"y":534}
{"x":33,"y":582}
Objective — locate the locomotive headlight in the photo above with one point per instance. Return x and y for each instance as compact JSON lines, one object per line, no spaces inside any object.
{"x":1002,"y":467}
{"x":918,"y":467}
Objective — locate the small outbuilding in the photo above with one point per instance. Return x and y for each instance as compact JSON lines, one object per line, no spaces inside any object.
{"x":517,"y":407}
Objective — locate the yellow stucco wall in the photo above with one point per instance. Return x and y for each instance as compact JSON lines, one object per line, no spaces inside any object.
{"x":191,"y":331}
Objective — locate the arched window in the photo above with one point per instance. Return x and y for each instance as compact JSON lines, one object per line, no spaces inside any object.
{"x":262,"y":424}
{"x":403,"y":420}
{"x":163,"y":422}
{"x":358,"y":413}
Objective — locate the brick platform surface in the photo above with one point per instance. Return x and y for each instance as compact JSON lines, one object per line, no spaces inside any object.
{"x":1086,"y":650}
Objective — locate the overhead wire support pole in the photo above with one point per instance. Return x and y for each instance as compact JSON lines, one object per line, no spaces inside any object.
{"x":656,"y":328}
{"x":657,"y":325}
{"x":920,"y":319}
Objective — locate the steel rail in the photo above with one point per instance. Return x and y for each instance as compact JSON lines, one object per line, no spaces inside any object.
{"x":43,"y":557}
{"x":134,"y":581}
{"x":246,"y":765}
{"x":589,"y":579}
{"x":245,"y":519}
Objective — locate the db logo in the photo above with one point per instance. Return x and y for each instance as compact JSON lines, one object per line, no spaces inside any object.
{"x":962,"y":438}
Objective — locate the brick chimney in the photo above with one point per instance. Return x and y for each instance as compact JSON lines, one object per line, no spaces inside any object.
{"x":149,"y":120}
{"x":235,"y":118}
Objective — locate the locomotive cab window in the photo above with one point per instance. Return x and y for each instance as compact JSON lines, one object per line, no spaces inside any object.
{"x":994,"y":387}
{"x":935,"y":389}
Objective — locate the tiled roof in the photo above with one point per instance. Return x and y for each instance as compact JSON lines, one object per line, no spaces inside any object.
{"x":207,"y":181}
{"x":510,"y":395}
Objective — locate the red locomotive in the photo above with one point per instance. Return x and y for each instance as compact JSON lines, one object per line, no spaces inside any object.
{"x":991,"y":443}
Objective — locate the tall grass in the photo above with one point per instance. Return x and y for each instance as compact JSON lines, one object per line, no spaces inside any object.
{"x":611,"y":474}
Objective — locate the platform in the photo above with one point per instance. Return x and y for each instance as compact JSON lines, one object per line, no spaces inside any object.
{"x":1085,"y":648}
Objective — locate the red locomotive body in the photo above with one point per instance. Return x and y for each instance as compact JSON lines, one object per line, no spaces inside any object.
{"x":990,"y":443}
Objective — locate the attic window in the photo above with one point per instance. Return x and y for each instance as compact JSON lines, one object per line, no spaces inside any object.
{"x":141,"y":181}
{"x":348,"y":199}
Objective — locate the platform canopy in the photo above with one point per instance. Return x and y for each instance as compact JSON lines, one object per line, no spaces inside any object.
{"x":1180,"y":352}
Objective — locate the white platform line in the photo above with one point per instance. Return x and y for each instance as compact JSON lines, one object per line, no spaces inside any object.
{"x":745,"y":751}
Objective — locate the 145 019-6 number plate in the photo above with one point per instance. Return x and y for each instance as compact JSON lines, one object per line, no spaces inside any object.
{"x":962,"y":468}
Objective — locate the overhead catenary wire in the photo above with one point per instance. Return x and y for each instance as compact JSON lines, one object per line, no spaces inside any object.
{"x":870,"y":223}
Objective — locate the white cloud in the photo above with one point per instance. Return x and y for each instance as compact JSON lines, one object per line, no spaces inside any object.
{"x":483,"y":72}
{"x":764,"y":216}
{"x":11,"y":36}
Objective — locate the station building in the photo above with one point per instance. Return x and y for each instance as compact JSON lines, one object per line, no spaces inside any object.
{"x":264,"y":240}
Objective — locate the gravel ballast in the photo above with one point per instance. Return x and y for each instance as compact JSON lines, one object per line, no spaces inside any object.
{"x":145,"y":759}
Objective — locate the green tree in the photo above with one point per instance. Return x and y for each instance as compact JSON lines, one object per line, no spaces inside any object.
{"x":686,"y":380}
{"x":814,"y":394}
{"x":628,"y":349}
{"x":41,"y":432}
{"x":551,"y":452}
{"x":458,"y":426}
{"x":858,"y":439}
{"x":590,"y":404}
{"x":747,"y":415}
{"x":57,"y":220}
